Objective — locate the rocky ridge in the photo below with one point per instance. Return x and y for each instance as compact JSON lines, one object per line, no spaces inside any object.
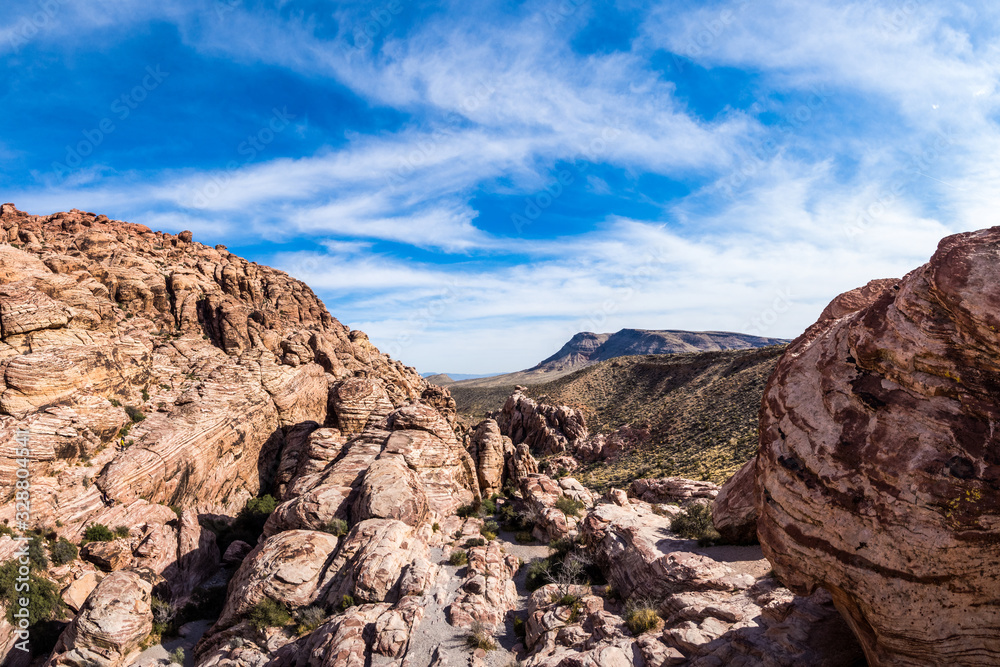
{"x":241,"y":443}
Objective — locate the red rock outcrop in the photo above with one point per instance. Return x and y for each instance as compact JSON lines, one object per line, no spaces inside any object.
{"x":490,"y":450}
{"x":878,"y":476}
{"x":114,"y":620}
{"x":733,"y":511}
{"x":546,"y":429}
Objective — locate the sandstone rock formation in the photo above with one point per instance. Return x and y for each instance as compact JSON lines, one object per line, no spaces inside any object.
{"x":490,"y":449}
{"x":733,"y":512}
{"x":109,"y":628}
{"x":546,"y":429}
{"x":878,"y":477}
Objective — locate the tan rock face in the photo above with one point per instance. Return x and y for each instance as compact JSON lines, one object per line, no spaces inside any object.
{"x":290,"y":568}
{"x":878,"y":474}
{"x":114,"y":620}
{"x":491,"y":450}
{"x":391,"y":490}
{"x":672,"y":489}
{"x":356,"y":401}
{"x":733,"y":512}
{"x":223,"y":358}
{"x":372,"y":560}
{"x":488,"y":592}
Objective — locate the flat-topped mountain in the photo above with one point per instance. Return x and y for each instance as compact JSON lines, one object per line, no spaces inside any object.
{"x":587,"y":348}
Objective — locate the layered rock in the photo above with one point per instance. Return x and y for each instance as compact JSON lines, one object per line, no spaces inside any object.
{"x":733,"y":512}
{"x":114,"y":620}
{"x":878,"y":474}
{"x":490,"y":449}
{"x":672,"y":489}
{"x":373,"y":560}
{"x":546,"y":429}
{"x":488,"y":592}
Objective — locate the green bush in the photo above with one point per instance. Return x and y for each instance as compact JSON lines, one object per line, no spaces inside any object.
{"x":248,"y":524}
{"x":134,"y":413}
{"x":524,"y":537}
{"x":490,"y":527}
{"x":269,"y":613}
{"x":262,"y":505}
{"x":465,"y":511}
{"x":121,"y":531}
{"x":520,"y":629}
{"x":640,"y":619}
{"x":436,"y":527}
{"x":488,"y":507}
{"x":336,"y":527}
{"x":508,"y":517}
{"x":458,"y":558}
{"x":481,"y":637}
{"x":309,"y":619}
{"x":695,"y":523}
{"x":177,"y":657}
{"x":63,"y":551}
{"x":44,"y":602}
{"x":97,"y":532}
{"x":164,"y":614}
{"x":569,"y":506}
{"x":346,"y":602}
{"x":538,"y":574}
{"x":36,"y":554}
{"x":474,"y":542}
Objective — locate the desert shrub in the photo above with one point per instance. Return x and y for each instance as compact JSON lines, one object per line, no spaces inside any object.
{"x":121,"y":531}
{"x":63,"y":551}
{"x":538,"y":574}
{"x":336,"y":527}
{"x":490,"y":527}
{"x":474,"y":542}
{"x":695,"y":523}
{"x":145,"y":395}
{"x":640,"y":617}
{"x":481,"y":637}
{"x":436,"y":527}
{"x":97,"y":532}
{"x":248,"y":524}
{"x":268,"y":613}
{"x":520,"y":628}
{"x":115,"y":402}
{"x":37,"y":557}
{"x":508,"y":517}
{"x":44,"y":602}
{"x":488,"y":507}
{"x":309,"y":619}
{"x":458,"y":558}
{"x":163,"y":616}
{"x":346,"y":602}
{"x":465,"y":511}
{"x":177,"y":657}
{"x":524,"y":537}
{"x":134,"y":413}
{"x":569,"y":506}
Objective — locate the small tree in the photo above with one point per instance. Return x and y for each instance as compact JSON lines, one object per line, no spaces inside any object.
{"x":177,"y":657}
{"x":98,"y":532}
{"x":269,"y":613}
{"x":63,"y":551}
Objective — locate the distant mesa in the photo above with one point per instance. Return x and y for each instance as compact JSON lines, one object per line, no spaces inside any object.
{"x":587,"y":348}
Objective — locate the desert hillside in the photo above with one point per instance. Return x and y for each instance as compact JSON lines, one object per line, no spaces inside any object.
{"x":700,"y":410}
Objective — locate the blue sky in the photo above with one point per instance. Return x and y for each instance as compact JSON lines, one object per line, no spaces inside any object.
{"x":472,"y":183}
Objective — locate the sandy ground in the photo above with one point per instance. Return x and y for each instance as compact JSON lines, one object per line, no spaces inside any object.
{"x":159,"y":655}
{"x":745,"y":560}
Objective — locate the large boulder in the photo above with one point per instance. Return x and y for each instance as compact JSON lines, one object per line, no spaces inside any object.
{"x":546,"y":429}
{"x":733,"y":512}
{"x":490,"y":449}
{"x":391,"y":490}
{"x":113,"y":622}
{"x":878,"y":476}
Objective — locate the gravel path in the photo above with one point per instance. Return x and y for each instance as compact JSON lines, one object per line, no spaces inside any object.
{"x":159,"y":654}
{"x":435,"y":634}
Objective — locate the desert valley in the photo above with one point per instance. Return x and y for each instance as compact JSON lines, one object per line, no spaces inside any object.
{"x":202,"y":465}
